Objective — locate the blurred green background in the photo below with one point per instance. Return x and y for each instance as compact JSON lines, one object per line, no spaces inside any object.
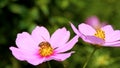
{"x":17,"y":16}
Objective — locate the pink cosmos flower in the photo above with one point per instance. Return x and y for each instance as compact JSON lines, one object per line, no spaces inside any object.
{"x":99,"y":34}
{"x":39,"y":47}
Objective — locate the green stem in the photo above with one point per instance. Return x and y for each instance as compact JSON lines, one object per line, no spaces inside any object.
{"x":49,"y":66}
{"x":90,"y":57}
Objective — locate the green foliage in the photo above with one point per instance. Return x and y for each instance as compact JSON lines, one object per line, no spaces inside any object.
{"x":17,"y":16}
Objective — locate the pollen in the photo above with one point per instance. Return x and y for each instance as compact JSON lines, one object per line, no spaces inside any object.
{"x":45,"y":49}
{"x":100,"y":34}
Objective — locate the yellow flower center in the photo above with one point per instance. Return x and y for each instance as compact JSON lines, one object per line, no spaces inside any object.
{"x":45,"y":49}
{"x":100,"y":34}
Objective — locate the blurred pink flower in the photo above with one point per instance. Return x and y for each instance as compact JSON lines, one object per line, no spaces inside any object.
{"x":99,"y":34}
{"x":39,"y":47}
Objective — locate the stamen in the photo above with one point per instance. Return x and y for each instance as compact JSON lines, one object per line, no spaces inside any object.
{"x":45,"y":49}
{"x":100,"y":34}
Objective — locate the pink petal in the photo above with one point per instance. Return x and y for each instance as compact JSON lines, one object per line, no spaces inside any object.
{"x":93,"y":21}
{"x":17,"y":53}
{"x":110,"y":34}
{"x":115,"y":36}
{"x":35,"y":60}
{"x":25,"y":42}
{"x":59,"y":37}
{"x":40,"y":34}
{"x":31,"y":58}
{"x":112,"y":44}
{"x":62,"y":57}
{"x":108,"y":31}
{"x":75,"y":29}
{"x":93,"y":40}
{"x":107,"y":28}
{"x":86,"y":29}
{"x":68,"y":45}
